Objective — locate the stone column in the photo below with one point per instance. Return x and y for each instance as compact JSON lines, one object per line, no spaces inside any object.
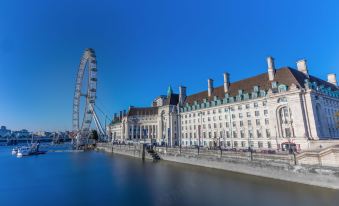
{"x":132,"y":131}
{"x":140,"y":131}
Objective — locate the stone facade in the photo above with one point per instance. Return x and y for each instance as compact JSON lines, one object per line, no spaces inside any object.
{"x":269,"y":111}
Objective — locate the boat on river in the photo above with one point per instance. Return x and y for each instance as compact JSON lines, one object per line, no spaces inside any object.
{"x":15,"y":150}
{"x":33,"y":149}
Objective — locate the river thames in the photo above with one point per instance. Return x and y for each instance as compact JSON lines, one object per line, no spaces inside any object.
{"x":95,"y":178}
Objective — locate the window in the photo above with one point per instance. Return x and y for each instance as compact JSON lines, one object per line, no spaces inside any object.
{"x":267,"y":122}
{"x":235,"y":144}
{"x":243,"y":144}
{"x":265,"y":112}
{"x":239,"y":107}
{"x":234,"y":124}
{"x":255,"y":104}
{"x":264,"y":103}
{"x":282,"y":88}
{"x":268,"y":133}
{"x":287,"y":132}
{"x":242,"y":134}
{"x":240,"y":115}
{"x":227,"y":134}
{"x":269,"y":145}
{"x":233,"y":116}
{"x":257,"y":113}
{"x":249,"y":122}
{"x":259,"y":133}
{"x":248,"y":114}
{"x":235,"y":134}
{"x":285,"y":121}
{"x":257,"y":122}
{"x":247,"y":106}
{"x":227,"y":125}
{"x":260,"y":144}
{"x":250,"y":134}
{"x":241,"y":123}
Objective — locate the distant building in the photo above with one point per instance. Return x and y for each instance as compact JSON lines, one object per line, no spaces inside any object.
{"x":281,"y":106}
{"x":21,"y":133}
{"x":4,"y":132}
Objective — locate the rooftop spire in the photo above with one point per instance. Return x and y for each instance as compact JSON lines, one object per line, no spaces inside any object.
{"x":169,"y":91}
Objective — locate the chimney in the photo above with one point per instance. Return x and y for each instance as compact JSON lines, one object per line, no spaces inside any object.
{"x":271,"y":68}
{"x":332,"y":78}
{"x":302,"y":66}
{"x":182,"y":94}
{"x":210,"y":87}
{"x":226,"y":81}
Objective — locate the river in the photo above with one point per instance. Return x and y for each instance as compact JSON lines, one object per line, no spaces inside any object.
{"x":96,"y":178}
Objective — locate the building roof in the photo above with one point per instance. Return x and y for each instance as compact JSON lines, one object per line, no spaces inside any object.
{"x":285,"y":75}
{"x":172,"y":99}
{"x":142,"y":111}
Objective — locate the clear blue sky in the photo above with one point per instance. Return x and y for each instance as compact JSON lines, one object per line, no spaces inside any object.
{"x":144,"y":46}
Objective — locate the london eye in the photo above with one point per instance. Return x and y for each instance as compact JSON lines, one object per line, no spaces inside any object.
{"x":85,"y":88}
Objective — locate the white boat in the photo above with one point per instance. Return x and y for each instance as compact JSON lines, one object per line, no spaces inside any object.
{"x":33,"y":149}
{"x":14,"y":151}
{"x":23,"y":151}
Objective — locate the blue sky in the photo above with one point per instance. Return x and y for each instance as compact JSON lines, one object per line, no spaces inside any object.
{"x":144,"y":46}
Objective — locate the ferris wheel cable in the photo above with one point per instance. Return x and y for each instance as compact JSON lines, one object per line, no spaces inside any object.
{"x":102,"y":106}
{"x":106,"y":116}
{"x":96,"y":120}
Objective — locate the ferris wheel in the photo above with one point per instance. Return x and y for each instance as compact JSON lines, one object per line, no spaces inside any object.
{"x":87,"y":71}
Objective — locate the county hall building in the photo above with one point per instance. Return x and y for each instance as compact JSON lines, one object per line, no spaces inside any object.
{"x":280,"y":106}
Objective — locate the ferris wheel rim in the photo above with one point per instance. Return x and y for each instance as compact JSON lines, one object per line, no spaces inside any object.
{"x":88,"y":60}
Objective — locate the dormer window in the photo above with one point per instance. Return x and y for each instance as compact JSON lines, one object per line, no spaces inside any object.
{"x":282,"y":88}
{"x":274,"y":85}
{"x":256,"y":88}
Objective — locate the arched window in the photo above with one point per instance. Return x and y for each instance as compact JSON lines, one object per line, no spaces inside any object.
{"x":285,"y":122}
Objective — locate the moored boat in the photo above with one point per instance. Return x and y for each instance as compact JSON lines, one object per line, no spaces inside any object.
{"x":33,"y":149}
